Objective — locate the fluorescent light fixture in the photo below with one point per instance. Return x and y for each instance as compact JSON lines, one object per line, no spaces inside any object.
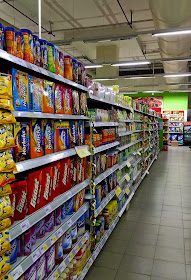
{"x":173,"y":33}
{"x":153,"y":91}
{"x":105,"y":79}
{"x":133,"y":63}
{"x":103,"y":41}
{"x":180,"y":90}
{"x":177,"y":75}
{"x":93,"y":66}
{"x":122,"y":87}
{"x":139,"y":77}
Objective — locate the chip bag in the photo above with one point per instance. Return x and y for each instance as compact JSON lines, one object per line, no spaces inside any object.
{"x":5,"y":263}
{"x":6,"y":210}
{"x":6,"y":136}
{"x":5,"y":190}
{"x":6,"y":86}
{"x":7,"y":163}
{"x":6,"y":178}
{"x":4,"y":242}
{"x":6,"y":117}
{"x":6,"y":104}
{"x":5,"y":223}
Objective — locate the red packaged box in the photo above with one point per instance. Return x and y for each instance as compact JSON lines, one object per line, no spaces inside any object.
{"x":46,"y":191}
{"x":65,"y":175}
{"x":34,"y":191}
{"x":13,"y":201}
{"x":21,"y":200}
{"x":55,"y":179}
{"x":73,"y":171}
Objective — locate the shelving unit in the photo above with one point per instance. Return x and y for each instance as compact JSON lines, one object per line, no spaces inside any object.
{"x":165,"y":133}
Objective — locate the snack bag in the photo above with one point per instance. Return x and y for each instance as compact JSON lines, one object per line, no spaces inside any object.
{"x":48,"y":136}
{"x":65,"y":176}
{"x":4,"y":242}
{"x":73,"y":134}
{"x":46,"y":191}
{"x":75,"y":101}
{"x":13,"y":201}
{"x":22,"y":141}
{"x":55,"y":179}
{"x":20,"y":90}
{"x":5,"y":264}
{"x":21,"y":200}
{"x":6,"y":136}
{"x":5,"y":86}
{"x":48,"y":97}
{"x":67,"y":100}
{"x":36,"y":138}
{"x":81,"y":133}
{"x":73,"y":172}
{"x":34,"y":191}
{"x":6,"y":104}
{"x":5,"y":223}
{"x":7,"y":163}
{"x":5,"y":190}
{"x":6,"y":117}
{"x":36,"y":91}
{"x":58,"y":93}
{"x":83,"y":103}
{"x":5,"y":207}
{"x":61,"y":136}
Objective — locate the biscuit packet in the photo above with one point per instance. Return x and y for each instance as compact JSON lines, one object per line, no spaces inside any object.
{"x":6,"y":86}
{"x":6,"y":136}
{"x":6,"y":178}
{"x":6,"y":117}
{"x":5,"y":223}
{"x":6,"y":104}
{"x":7,"y":163}
{"x":6,"y":210}
{"x":5,"y":190}
{"x":4,"y":242}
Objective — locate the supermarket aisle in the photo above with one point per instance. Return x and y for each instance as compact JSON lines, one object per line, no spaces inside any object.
{"x":152,"y":241}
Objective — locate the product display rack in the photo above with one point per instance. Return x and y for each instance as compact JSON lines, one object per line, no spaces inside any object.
{"x":176,"y":126}
{"x":187,"y":133}
{"x":165,"y":134}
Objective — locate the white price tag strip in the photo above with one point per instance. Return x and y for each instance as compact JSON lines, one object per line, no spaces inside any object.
{"x":17,"y":272}
{"x":48,"y":209}
{"x":36,"y":255}
{"x":25,"y":225}
{"x":69,"y":222}
{"x":60,"y":232}
{"x":69,"y":194}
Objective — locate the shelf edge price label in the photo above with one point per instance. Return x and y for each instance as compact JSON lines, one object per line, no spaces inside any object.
{"x":44,"y":248}
{"x":69,"y":194}
{"x":128,"y":164}
{"x":71,"y":256}
{"x":82,"y":151}
{"x":17,"y":272}
{"x":56,"y":275}
{"x":60,"y":232}
{"x":36,"y":255}
{"x":127,"y":190}
{"x":139,"y":153}
{"x":53,"y":239}
{"x":69,"y":222}
{"x":127,"y":177}
{"x":48,"y":209}
{"x":118,"y":191}
{"x":25,"y":225}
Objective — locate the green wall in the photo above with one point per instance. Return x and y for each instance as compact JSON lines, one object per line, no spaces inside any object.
{"x":171,"y":101}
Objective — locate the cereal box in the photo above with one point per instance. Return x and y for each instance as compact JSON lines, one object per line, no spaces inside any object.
{"x":65,"y":175}
{"x":67,"y":100}
{"x":22,"y":141}
{"x":55,"y":179}
{"x":46,"y":191}
{"x":6,"y":86}
{"x":61,"y":131}
{"x":20,"y":89}
{"x":48,"y":126}
{"x":48,"y":97}
{"x":58,"y":96}
{"x":34,"y":191}
{"x":35,"y":94}
{"x":73,"y":172}
{"x":36,"y":138}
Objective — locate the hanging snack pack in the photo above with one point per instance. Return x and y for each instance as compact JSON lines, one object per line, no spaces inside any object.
{"x":48,"y":136}
{"x":20,"y":90}
{"x":36,"y":138}
{"x":48,"y":97}
{"x":61,"y":136}
{"x":6,"y":117}
{"x":22,"y":141}
{"x":35,"y":94}
{"x":6,"y":136}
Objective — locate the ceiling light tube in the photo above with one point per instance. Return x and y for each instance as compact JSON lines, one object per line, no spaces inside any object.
{"x":180,"y":90}
{"x":133,"y":63}
{"x":177,"y":75}
{"x":93,"y":66}
{"x":104,"y":79}
{"x":173,"y":33}
{"x":104,"y":41}
{"x":139,"y":77}
{"x":153,"y":91}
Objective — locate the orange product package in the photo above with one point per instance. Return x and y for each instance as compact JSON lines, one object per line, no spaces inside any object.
{"x":79,"y":200}
{"x":58,"y":97}
{"x":10,"y":41}
{"x":46,"y":191}
{"x":48,"y":126}
{"x":34,"y":191}
{"x":65,"y":175}
{"x":67,"y":100}
{"x":48,"y":97}
{"x":36,"y":138}
{"x":55,"y":179}
{"x":61,"y":139}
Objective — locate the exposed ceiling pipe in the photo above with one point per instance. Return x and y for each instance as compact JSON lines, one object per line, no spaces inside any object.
{"x":129,"y":23}
{"x":172,"y":14}
{"x":39,"y":18}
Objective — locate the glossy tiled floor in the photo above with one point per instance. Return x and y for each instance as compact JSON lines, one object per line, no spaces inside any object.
{"x":152,"y":241}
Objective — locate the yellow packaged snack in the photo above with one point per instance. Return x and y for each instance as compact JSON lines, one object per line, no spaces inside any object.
{"x":5,"y":223}
{"x":5,"y":190}
{"x":6,"y":117}
{"x":6,"y":86}
{"x":6,"y":136}
{"x":6,"y":210}
{"x":4,"y":242}
{"x":7,"y":163}
{"x":6,"y":104}
{"x":6,"y":178}
{"x":4,"y":264}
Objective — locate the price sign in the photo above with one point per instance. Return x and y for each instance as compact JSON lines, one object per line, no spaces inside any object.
{"x":53,"y":239}
{"x":82,"y":151}
{"x":77,"y":247}
{"x":128,"y":164}
{"x":56,"y":275}
{"x":127,"y":177}
{"x":25,"y":225}
{"x":48,"y":209}
{"x":139,"y":153}
{"x":69,"y":194}
{"x":17,"y":272}
{"x":127,"y":190}
{"x":69,"y":222}
{"x":59,"y":232}
{"x":71,"y":256}
{"x":36,"y":255}
{"x":118,"y":191}
{"x":44,"y":248}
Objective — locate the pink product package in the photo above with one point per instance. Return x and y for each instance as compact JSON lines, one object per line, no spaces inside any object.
{"x":33,"y":235}
{"x":49,"y":222}
{"x":41,"y":268}
{"x":58,"y":218}
{"x":27,"y":243}
{"x":50,"y":260}
{"x":30,"y":274}
{"x":40,"y":229}
{"x":19,"y":246}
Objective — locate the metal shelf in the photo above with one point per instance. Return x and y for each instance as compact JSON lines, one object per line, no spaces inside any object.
{"x":177,"y":121}
{"x":147,"y":157}
{"x":36,"y":69}
{"x":102,"y":124}
{"x":145,"y":113}
{"x":36,"y":162}
{"x":129,"y":132}
{"x":39,"y":115}
{"x":105,"y":174}
{"x":124,"y":189}
{"x":104,"y":202}
{"x":68,"y":258}
{"x":98,"y":249}
{"x":129,"y":121}
{"x":45,"y":243}
{"x":136,"y":162}
{"x":137,"y":174}
{"x":105,"y":147}
{"x":123,"y":164}
{"x":128,"y":145}
{"x":21,"y":226}
{"x":176,"y":132}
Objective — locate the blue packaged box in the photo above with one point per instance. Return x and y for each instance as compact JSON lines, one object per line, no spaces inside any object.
{"x":35,"y":94}
{"x":20,"y":89}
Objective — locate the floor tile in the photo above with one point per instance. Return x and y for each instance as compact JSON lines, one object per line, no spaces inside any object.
{"x":141,"y":250}
{"x":144,"y":238}
{"x":108,"y":260}
{"x":170,"y":254}
{"x":170,"y":231}
{"x":101,"y":273}
{"x":147,"y":228}
{"x":115,"y":246}
{"x":188,"y":271}
{"x":131,"y":276}
{"x":170,"y":241}
{"x":171,"y":222}
{"x":171,"y":270}
{"x":172,"y":208}
{"x":136,"y":265}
